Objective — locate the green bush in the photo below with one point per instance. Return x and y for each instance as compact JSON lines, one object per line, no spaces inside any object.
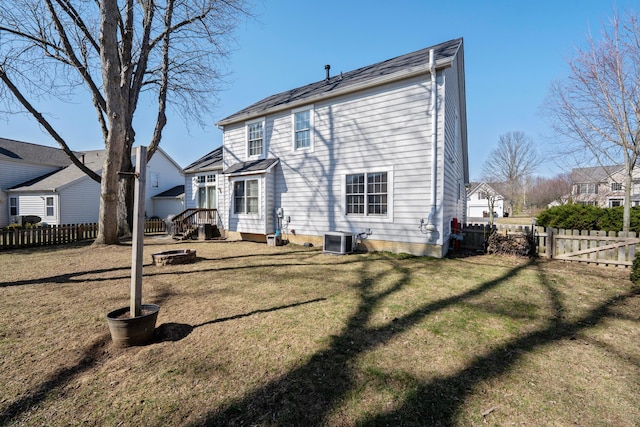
{"x":579,"y":217}
{"x":635,"y":270}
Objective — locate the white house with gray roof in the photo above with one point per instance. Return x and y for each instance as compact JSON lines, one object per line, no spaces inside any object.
{"x":41,"y":181}
{"x":379,"y":152}
{"x":603,"y":186}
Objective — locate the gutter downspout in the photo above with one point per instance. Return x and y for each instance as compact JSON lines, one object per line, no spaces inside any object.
{"x":431,"y":230}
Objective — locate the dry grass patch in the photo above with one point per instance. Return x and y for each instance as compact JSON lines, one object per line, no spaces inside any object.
{"x":258,"y":335}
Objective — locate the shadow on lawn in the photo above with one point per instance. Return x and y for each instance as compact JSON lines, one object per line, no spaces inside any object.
{"x":177,"y":331}
{"x":307,"y":395}
{"x":93,"y":354}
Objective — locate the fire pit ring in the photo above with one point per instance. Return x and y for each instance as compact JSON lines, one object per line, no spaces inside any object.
{"x":180,"y":256}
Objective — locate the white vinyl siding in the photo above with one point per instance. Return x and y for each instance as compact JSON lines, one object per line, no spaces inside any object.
{"x":380,"y":130}
{"x":80,"y":202}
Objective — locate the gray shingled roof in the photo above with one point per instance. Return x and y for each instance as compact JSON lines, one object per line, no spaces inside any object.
{"x":593,"y":174}
{"x":32,"y":153}
{"x":443,"y":53}
{"x":51,"y":182}
{"x":174,"y":192}
{"x":254,"y":166}
{"x":209,"y":161}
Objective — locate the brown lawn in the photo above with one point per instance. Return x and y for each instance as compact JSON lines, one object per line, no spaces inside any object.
{"x":258,"y":335}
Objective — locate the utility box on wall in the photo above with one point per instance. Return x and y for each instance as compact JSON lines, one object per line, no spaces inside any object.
{"x":273,"y":240}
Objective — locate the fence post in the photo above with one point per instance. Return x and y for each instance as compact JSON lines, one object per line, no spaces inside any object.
{"x":550,"y":243}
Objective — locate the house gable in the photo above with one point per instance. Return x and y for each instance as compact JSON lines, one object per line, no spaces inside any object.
{"x":367,"y":149}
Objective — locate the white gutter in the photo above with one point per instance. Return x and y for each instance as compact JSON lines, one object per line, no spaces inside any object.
{"x":431,"y":230}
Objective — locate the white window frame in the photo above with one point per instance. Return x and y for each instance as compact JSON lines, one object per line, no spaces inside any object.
{"x":263,"y":150}
{"x":294,"y":131}
{"x":155,"y":179}
{"x":48,"y":206}
{"x":369,"y":217}
{"x":13,"y":205}
{"x":206,"y":181}
{"x":244,"y":212}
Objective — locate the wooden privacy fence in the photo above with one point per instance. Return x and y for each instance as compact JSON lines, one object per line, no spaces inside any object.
{"x":590,"y":246}
{"x":60,"y":234}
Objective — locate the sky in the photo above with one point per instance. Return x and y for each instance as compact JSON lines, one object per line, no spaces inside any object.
{"x":513,"y":51}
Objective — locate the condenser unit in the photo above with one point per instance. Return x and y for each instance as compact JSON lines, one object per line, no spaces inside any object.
{"x":338,"y":242}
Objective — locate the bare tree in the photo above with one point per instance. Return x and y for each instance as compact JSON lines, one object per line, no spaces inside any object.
{"x":597,"y":107}
{"x":510,"y":163}
{"x":544,"y":191}
{"x":166,"y":52}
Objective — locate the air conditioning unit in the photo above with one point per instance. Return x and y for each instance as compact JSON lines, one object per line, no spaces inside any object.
{"x":338,"y":242}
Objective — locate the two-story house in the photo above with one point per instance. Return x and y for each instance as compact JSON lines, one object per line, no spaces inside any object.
{"x":379,"y":152}
{"x":481,"y":198}
{"x":602,"y":186}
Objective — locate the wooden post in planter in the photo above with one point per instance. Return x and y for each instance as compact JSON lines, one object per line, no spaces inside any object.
{"x":138,"y":232}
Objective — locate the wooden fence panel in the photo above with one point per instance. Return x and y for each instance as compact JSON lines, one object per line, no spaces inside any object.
{"x":60,"y":234}
{"x":594,"y":247}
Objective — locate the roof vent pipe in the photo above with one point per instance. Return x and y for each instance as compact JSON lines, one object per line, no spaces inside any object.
{"x":327,"y":68}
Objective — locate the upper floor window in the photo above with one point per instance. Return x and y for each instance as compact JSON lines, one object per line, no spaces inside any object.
{"x":616,"y":186}
{"x":201,"y":179}
{"x":255,"y":139}
{"x":246,"y":197}
{"x":155,"y":179}
{"x":302,"y":125}
{"x":211,"y":178}
{"x":366,"y":194}
{"x":588,"y":188}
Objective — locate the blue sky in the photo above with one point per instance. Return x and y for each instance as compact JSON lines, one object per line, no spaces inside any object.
{"x":513,"y":51}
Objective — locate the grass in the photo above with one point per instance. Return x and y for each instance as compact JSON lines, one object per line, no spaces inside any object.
{"x":258,"y":335}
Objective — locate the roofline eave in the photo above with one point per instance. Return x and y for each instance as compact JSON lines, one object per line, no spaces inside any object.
{"x":401,"y":75}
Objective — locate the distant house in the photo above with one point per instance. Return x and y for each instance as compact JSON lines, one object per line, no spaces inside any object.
{"x":59,"y":192}
{"x":602,"y":186}
{"x":379,"y":152}
{"x":202,"y":179}
{"x":478,"y":198}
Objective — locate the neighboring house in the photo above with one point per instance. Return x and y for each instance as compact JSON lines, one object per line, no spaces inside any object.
{"x":65,"y":194}
{"x":603,"y":186}
{"x":21,"y":162}
{"x":478,"y":199}
{"x":201,"y":181}
{"x":379,"y":152}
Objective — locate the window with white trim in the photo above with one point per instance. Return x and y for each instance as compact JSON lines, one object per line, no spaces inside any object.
{"x":13,"y":206}
{"x":155,"y":180}
{"x":50,"y":211}
{"x":367,"y":194}
{"x":616,"y":186}
{"x":246,"y":197}
{"x":587,"y":188}
{"x":255,"y":139}
{"x":302,"y":128}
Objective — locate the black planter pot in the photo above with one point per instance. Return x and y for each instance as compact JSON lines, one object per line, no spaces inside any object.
{"x":129,"y":331}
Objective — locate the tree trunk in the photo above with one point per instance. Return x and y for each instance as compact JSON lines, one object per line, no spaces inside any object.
{"x":125,"y":199}
{"x":116,"y":96}
{"x":626,"y":212}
